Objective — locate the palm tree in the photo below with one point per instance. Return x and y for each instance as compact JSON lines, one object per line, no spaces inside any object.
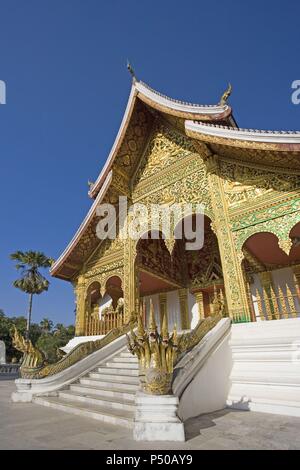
{"x":31,"y":280}
{"x":46,"y":325}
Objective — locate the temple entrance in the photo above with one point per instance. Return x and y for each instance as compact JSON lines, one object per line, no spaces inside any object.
{"x":104,"y":312}
{"x":272,"y":271}
{"x":187,"y":285}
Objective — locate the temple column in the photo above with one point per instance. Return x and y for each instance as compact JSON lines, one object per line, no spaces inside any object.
{"x":131,"y":287}
{"x":163,"y":307}
{"x":235,"y":289}
{"x":200,"y":303}
{"x":80,"y":307}
{"x":184,"y":311}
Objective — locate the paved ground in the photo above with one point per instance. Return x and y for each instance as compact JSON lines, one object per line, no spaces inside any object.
{"x":30,"y":426}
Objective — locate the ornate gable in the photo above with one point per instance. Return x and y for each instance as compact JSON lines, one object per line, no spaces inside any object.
{"x":165,"y":148}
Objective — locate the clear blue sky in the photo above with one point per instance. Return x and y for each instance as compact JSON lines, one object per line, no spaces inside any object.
{"x":64,"y":64}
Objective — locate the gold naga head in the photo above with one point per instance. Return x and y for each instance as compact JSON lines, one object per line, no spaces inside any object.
{"x":175,"y":336}
{"x":152,"y":328}
{"x":164,"y":330}
{"x":140,"y":328}
{"x":19,"y":342}
{"x":226,"y":95}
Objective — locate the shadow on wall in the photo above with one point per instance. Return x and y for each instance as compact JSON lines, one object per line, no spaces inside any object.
{"x":209,"y":388}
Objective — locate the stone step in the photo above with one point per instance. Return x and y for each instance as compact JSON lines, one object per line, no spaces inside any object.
{"x":127,"y":360}
{"x":103,"y":402}
{"x":122,"y":394}
{"x":115,"y":376}
{"x":117,"y":417}
{"x":126,"y":354}
{"x":122,"y":365}
{"x":116,"y":371}
{"x":108,"y":384}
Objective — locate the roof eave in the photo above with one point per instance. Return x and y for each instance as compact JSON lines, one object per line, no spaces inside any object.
{"x":284,"y":140}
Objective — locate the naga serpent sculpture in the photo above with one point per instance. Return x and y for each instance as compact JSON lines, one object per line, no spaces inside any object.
{"x":34,"y":365}
{"x":158,"y":353}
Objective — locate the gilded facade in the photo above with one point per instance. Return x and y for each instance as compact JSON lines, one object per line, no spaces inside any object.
{"x":169,"y":153}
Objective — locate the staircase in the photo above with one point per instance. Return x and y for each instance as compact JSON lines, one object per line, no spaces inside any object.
{"x":265,"y":373}
{"x":106,"y":393}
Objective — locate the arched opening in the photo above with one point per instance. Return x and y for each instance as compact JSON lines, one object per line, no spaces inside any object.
{"x":204,"y":272}
{"x":157,"y":272}
{"x":92,"y":301}
{"x":106,"y":312}
{"x":271,"y":271}
{"x":183,"y":281}
{"x":93,"y":297}
{"x":113,"y":289}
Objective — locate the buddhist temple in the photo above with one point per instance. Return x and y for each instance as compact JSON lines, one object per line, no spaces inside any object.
{"x":165,"y":332}
{"x":167,"y":152}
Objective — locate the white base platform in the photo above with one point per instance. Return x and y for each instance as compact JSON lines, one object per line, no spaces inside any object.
{"x":265,"y":373}
{"x":156,"y":418}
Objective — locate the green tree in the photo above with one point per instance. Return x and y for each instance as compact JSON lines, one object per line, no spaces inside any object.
{"x":50,"y":343}
{"x":31,"y":281}
{"x":46,"y":325}
{"x":6,"y":325}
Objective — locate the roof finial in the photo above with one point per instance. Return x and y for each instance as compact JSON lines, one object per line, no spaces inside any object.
{"x":131,"y":71}
{"x":225,"y":95}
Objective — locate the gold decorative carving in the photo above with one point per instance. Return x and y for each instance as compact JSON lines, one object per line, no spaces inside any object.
{"x":164,"y":148}
{"x":188,"y":340}
{"x":243,"y":183}
{"x":274,"y":307}
{"x":285,"y":245}
{"x":33,"y":358}
{"x":236,"y":294}
{"x":156,"y":354}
